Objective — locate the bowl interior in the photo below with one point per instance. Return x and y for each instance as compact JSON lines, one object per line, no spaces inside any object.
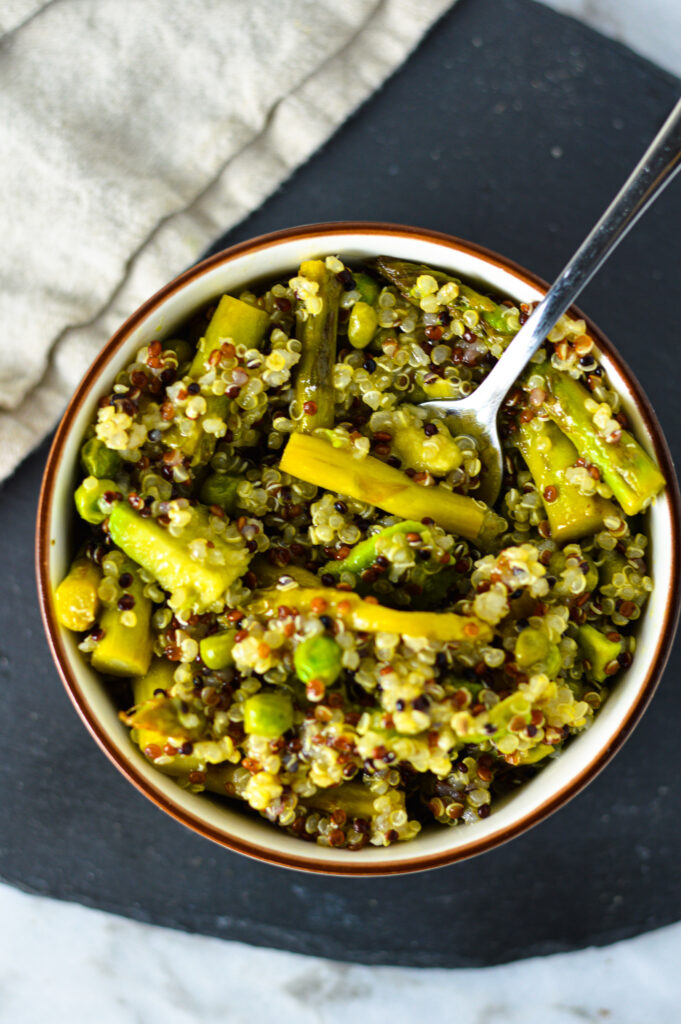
{"x":223,"y":821}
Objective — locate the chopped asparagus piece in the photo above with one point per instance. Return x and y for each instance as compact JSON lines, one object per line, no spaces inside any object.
{"x":627,"y":469}
{"x":601,"y":652}
{"x":318,"y":657}
{"x":362,"y":324}
{"x":98,"y":460}
{"x":233,"y":321}
{"x":125,"y":650}
{"x":268,"y":714}
{"x":368,"y":479}
{"x":374,"y":618}
{"x":364,"y":554}
{"x":220,"y":489}
{"x":75,"y":600}
{"x":548,"y":454}
{"x":315,"y":395}
{"x":157,"y":719}
{"x":196,"y":575}
{"x":87,"y":498}
{"x":404,"y":275}
{"x":533,"y":647}
{"x":216,"y":650}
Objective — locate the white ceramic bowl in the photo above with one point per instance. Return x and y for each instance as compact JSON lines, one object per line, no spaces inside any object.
{"x":279,"y":255}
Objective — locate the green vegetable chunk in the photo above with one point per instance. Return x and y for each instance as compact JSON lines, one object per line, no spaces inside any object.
{"x":315,"y":394}
{"x":233,"y":321}
{"x":548,"y":454}
{"x":404,"y":275}
{"x":318,"y":657}
{"x":196,"y":576}
{"x":599,"y":651}
{"x":216,"y":650}
{"x":126,"y":646}
{"x":98,"y":460}
{"x":364,"y":554}
{"x":268,"y":714}
{"x":533,"y":647}
{"x":76,"y":600}
{"x":87,"y":498}
{"x":627,"y":469}
{"x":220,"y":489}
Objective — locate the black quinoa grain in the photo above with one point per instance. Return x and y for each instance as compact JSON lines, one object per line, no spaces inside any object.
{"x":346,"y":279}
{"x":430,"y":429}
{"x":193,"y":388}
{"x":328,"y":580}
{"x":126,"y":602}
{"x":341,"y":507}
{"x":125,"y":579}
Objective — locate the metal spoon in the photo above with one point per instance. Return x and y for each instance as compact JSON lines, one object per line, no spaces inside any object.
{"x":476,"y":414}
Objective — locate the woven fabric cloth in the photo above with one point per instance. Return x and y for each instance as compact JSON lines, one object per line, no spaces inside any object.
{"x":133,"y":133}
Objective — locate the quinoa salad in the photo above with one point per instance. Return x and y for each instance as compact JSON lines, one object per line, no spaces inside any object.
{"x":286,"y":579}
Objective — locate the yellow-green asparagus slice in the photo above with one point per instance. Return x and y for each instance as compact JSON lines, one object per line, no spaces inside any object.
{"x":548,"y":454}
{"x":315,"y":395}
{"x":76,"y":600}
{"x":368,"y":479}
{"x":405,"y":275}
{"x":233,"y":321}
{"x":126,"y":645}
{"x":630,"y":473}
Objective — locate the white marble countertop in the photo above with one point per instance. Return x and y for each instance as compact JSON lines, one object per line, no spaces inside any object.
{"x":61,"y":962}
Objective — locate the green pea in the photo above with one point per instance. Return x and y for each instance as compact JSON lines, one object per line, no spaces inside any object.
{"x":268,"y":714}
{"x":367,"y":287}
{"x":87,"y":498}
{"x":220,"y":489}
{"x":98,"y":460}
{"x":216,"y":650}
{"x":362,"y":324}
{"x":318,"y":657}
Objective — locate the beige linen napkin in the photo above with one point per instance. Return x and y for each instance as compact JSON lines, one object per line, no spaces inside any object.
{"x":134,"y":132}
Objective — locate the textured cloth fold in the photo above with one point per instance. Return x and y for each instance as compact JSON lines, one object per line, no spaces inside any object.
{"x":133,"y":133}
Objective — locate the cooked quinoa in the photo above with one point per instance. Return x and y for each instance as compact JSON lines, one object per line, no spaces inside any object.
{"x":284,"y":556}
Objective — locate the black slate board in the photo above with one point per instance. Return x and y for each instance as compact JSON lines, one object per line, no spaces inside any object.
{"x":511,"y":126}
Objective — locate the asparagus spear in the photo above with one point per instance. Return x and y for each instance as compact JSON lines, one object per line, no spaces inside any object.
{"x":317,"y":461}
{"x":234,"y":321}
{"x":548,"y":453}
{"x":627,"y":469}
{"x":315,"y":396}
{"x":373,"y":618}
{"x":404,"y":275}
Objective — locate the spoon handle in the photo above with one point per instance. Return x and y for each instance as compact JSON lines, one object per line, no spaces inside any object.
{"x":655,"y":169}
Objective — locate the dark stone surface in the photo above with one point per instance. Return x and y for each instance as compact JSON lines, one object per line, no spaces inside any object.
{"x":465,"y":138}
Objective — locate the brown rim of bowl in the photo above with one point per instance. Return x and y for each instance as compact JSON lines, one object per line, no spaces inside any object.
{"x":130,"y":770}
